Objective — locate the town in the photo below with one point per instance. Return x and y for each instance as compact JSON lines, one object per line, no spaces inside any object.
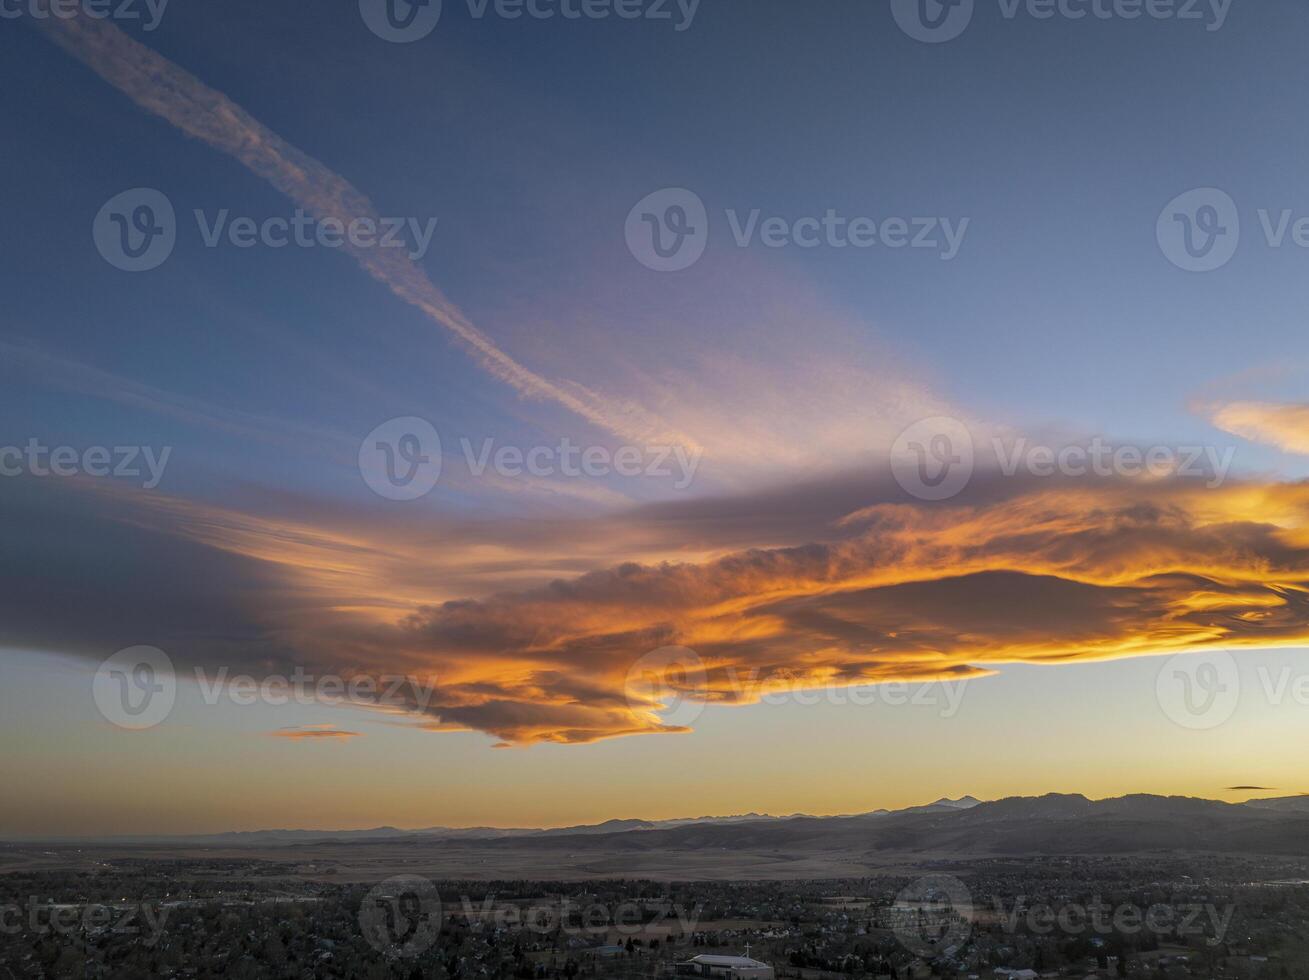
{"x":1089,"y":918}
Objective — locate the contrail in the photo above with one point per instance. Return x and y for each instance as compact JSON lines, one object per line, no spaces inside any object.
{"x":168,"y":91}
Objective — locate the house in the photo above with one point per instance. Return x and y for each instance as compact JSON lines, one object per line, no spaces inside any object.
{"x":725,"y":968}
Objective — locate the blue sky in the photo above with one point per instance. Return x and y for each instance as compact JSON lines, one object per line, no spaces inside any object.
{"x":1060,"y":140}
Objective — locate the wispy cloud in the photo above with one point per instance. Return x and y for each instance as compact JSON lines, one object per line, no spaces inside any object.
{"x":1284,"y":425}
{"x":165,"y":89}
{"x":65,"y":374}
{"x":312,"y":732}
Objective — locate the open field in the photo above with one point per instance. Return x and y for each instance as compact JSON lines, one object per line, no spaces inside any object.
{"x":347,"y":862}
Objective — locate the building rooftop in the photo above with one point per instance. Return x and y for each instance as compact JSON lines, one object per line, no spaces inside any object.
{"x":743,"y":962}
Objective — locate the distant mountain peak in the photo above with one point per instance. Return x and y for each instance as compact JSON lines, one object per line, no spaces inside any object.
{"x":963,"y":803}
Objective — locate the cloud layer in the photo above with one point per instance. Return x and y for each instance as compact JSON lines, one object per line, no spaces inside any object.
{"x":1018,"y":571}
{"x":574,"y":631}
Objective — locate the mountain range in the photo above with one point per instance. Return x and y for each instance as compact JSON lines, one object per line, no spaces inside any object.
{"x":1050,"y":824}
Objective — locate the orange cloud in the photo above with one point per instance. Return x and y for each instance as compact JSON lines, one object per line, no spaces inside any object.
{"x":1034,"y":572}
{"x":1285,"y":426}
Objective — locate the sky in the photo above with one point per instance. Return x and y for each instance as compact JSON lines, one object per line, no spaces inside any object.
{"x":763,"y":407}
